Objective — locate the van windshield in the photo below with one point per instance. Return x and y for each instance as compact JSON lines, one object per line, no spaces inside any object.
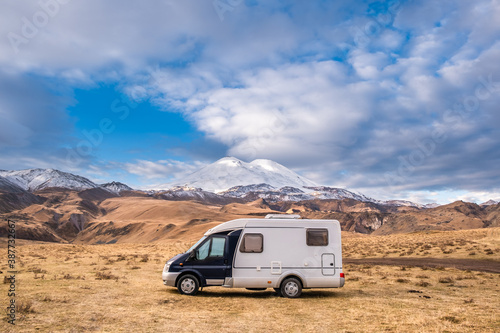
{"x":197,"y":243}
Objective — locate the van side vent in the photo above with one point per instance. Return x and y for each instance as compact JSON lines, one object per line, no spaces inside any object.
{"x":283,"y":216}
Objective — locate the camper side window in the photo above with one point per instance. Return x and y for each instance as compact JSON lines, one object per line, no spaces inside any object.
{"x":252,"y":243}
{"x":317,"y":237}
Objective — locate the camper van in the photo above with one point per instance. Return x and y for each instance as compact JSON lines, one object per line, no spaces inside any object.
{"x":283,"y":252}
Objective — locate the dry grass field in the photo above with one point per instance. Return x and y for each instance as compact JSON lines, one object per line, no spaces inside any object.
{"x":471,"y":244}
{"x":118,"y":288}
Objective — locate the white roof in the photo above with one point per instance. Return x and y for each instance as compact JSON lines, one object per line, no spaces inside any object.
{"x":256,"y":223}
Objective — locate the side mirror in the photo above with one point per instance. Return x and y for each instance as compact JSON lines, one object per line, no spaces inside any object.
{"x":192,"y":255}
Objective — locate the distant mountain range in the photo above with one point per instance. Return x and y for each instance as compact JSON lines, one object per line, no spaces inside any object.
{"x":32,"y":180}
{"x":227,"y":178}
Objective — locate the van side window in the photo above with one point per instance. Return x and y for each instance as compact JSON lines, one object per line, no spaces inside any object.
{"x":317,"y":237}
{"x":252,"y":243}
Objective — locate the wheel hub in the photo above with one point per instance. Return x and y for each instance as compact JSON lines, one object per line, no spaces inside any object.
{"x":187,"y":286}
{"x":291,"y":289}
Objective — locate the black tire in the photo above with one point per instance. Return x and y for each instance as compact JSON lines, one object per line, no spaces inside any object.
{"x":291,"y":288}
{"x":188,"y":285}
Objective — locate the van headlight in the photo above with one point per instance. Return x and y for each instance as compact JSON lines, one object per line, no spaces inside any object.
{"x":167,"y":267}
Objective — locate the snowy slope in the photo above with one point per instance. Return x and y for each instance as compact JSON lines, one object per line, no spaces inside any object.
{"x":116,"y":187}
{"x":8,"y":186}
{"x":230,"y":172}
{"x":289,"y":193}
{"x":37,"y":179}
{"x":325,"y":192}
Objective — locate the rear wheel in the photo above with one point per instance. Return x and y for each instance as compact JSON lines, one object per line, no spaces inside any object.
{"x":188,"y":285}
{"x":291,"y":288}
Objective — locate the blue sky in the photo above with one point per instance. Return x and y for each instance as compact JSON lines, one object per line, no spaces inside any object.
{"x":395,"y":99}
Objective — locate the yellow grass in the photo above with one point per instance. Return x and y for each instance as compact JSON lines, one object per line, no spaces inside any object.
{"x":470,"y":244}
{"x":118,"y":288}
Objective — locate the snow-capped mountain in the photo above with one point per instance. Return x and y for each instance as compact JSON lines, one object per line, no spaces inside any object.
{"x":267,"y":192}
{"x":192,"y":193}
{"x":229,"y":172}
{"x":431,"y":205}
{"x":38,"y":179}
{"x":401,"y":203}
{"x":242,"y":190}
{"x":116,"y":187}
{"x":490,"y":202}
{"x":325,"y":192}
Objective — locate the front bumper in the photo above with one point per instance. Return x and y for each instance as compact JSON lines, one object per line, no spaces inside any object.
{"x":169,"y":278}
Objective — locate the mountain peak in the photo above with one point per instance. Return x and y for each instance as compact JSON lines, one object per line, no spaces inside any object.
{"x":490,"y":202}
{"x":116,"y":187}
{"x":229,"y":161}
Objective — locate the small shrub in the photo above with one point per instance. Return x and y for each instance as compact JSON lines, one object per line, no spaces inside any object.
{"x":401,"y":280}
{"x":451,"y":319}
{"x":446,"y":280}
{"x":423,"y":284}
{"x":105,"y":276}
{"x":37,"y":270}
{"x":24,"y":307}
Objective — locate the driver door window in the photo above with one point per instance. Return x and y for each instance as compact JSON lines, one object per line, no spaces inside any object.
{"x":212,"y":248}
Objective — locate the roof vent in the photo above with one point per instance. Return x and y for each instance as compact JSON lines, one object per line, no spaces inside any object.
{"x":283,"y":216}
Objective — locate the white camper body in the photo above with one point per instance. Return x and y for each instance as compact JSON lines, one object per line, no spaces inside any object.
{"x":280,"y":252}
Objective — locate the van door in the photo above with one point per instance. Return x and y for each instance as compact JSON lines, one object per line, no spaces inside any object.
{"x":210,"y":259}
{"x":328,"y":264}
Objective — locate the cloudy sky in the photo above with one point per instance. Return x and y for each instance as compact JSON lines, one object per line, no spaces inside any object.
{"x":395,"y":99}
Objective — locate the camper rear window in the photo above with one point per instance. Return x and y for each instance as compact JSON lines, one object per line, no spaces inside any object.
{"x":252,"y":243}
{"x":317,"y":237}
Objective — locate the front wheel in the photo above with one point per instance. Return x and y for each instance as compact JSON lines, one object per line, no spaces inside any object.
{"x":291,"y":288}
{"x":188,"y":285}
